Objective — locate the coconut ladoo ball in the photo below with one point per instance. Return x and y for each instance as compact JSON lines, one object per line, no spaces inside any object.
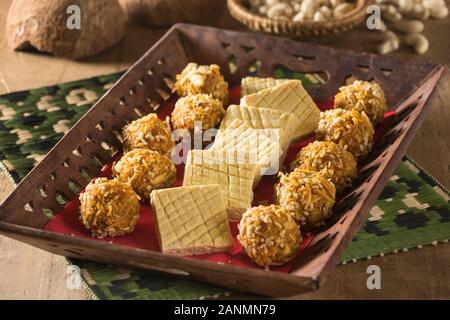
{"x":145,"y":170}
{"x":327,"y":158}
{"x":269,"y":235}
{"x":363,"y":96}
{"x":109,"y":208}
{"x":200,"y":108}
{"x":308,"y":195}
{"x":148,"y":132}
{"x":350,"y":129}
{"x":202,"y":79}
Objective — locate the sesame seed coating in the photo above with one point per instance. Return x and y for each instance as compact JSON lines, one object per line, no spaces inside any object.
{"x":202,"y":79}
{"x":197,"y":108}
{"x":349,"y":129}
{"x":308,"y":195}
{"x":326,"y":157}
{"x":148,"y":132}
{"x":109,"y":208}
{"x":269,"y":235}
{"x":363,"y":96}
{"x":145,"y":170}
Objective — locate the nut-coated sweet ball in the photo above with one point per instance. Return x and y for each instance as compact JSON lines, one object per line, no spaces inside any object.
{"x":269,"y":235}
{"x":308,"y":195}
{"x":327,"y":158}
{"x":148,"y":132}
{"x":145,"y":170}
{"x":198,"y":108}
{"x":350,"y":129}
{"x":109,"y":208}
{"x":202,"y":79}
{"x":363,"y":96}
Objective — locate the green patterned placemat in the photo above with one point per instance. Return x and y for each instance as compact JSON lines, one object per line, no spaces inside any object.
{"x":413,"y":210}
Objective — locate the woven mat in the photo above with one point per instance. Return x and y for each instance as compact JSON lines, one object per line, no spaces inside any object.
{"x":413,"y":210}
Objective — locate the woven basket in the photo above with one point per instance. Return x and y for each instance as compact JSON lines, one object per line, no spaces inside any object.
{"x":240,"y":11}
{"x":168,"y":12}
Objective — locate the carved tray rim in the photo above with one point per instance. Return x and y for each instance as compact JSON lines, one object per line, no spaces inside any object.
{"x":252,"y":280}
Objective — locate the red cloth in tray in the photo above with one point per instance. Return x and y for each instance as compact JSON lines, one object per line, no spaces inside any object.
{"x":144,"y":236}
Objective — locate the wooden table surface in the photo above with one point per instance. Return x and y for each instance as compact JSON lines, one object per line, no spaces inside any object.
{"x":29,"y":273}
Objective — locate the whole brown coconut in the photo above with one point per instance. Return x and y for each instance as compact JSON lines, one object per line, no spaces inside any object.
{"x":168,"y":12}
{"x":48,"y":26}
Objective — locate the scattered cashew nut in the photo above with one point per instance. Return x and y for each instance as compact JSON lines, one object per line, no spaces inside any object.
{"x":390,"y":44}
{"x":418,"y":41}
{"x":433,"y":4}
{"x":438,"y":8}
{"x":405,"y":6}
{"x":419,"y":11}
{"x":409,"y":26}
{"x":415,"y":11}
{"x":301,"y":10}
{"x":439,"y":14}
{"x":382,"y":26}
{"x":390,"y":13}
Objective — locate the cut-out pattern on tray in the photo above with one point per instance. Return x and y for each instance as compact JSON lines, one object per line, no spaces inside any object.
{"x":67,"y":220}
{"x":188,"y":43}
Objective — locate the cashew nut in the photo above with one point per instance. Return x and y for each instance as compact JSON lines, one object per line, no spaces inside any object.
{"x":318,"y":16}
{"x":291,"y":9}
{"x":342,"y":9}
{"x":272,"y":2}
{"x":391,"y":36}
{"x":382,"y":26}
{"x":326,"y":12}
{"x":438,"y":8}
{"x":335,"y":3}
{"x":308,"y":7}
{"x":390,"y":13}
{"x":263,"y":9}
{"x":433,"y":4}
{"x":300,"y":17}
{"x":279,"y":10}
{"x":390,"y":44}
{"x":405,"y":6}
{"x":387,"y":47}
{"x":439,"y":14}
{"x":418,"y":41}
{"x":409,"y":26}
{"x":297,"y":6}
{"x":419,"y":11}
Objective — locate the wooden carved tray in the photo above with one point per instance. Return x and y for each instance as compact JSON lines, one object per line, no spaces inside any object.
{"x":147,"y":85}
